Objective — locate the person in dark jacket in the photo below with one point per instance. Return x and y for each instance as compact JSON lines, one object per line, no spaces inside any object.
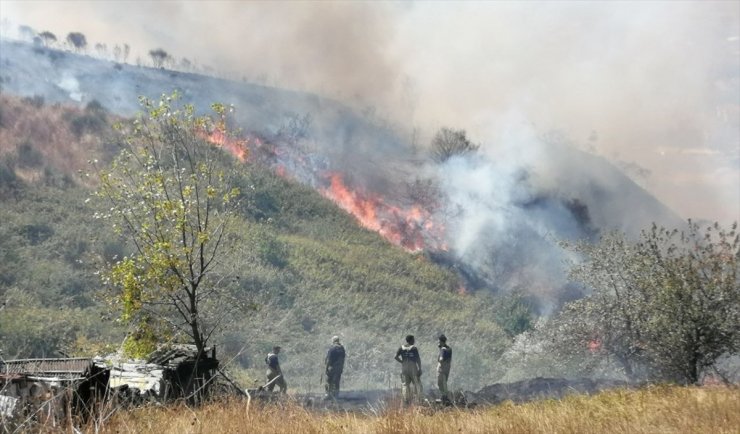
{"x":444,"y":361}
{"x":274,"y":373}
{"x":334,"y":364}
{"x":408,"y":356}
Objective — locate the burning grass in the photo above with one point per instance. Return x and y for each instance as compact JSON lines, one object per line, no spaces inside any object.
{"x":656,"y":409}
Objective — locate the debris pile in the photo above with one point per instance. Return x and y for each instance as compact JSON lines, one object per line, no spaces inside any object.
{"x":53,"y":391}
{"x":49,"y":390}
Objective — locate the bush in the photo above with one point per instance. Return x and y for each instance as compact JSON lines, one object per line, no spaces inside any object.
{"x":56,"y":178}
{"x":90,"y":123}
{"x":94,"y":106}
{"x":8,"y":178}
{"x":36,"y":101}
{"x":37,"y":233}
{"x":28,"y":156}
{"x":113,"y":251}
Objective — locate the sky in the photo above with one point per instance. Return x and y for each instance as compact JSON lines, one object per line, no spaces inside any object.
{"x":653,"y":86}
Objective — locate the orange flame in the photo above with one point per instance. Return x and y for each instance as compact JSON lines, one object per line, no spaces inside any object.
{"x":403,"y":227}
{"x":410,"y":228}
{"x":235,"y":146}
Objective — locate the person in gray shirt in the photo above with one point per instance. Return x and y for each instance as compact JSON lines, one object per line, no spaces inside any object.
{"x":444,"y":360}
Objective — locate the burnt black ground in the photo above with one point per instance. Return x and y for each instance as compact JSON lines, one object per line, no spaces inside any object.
{"x":376,"y":401}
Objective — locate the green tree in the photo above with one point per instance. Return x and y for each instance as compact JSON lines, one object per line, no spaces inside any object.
{"x":669,"y":302}
{"x":170,"y":194}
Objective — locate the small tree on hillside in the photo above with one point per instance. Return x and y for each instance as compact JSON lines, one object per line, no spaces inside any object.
{"x":77,"y":40}
{"x":186,"y":64}
{"x":159,"y":57}
{"x":170,"y":194}
{"x":448,"y":143}
{"x":670,"y":302}
{"x":102,"y":50}
{"x":48,"y":38}
{"x":117,"y":51}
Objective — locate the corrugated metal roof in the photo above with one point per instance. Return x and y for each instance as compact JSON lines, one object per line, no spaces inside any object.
{"x":46,"y":367}
{"x":175,"y":353}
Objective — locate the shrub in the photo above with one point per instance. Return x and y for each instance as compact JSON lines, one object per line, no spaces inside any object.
{"x":36,"y":101}
{"x":90,"y":123}
{"x":95,"y":106}
{"x":8,"y":177}
{"x":37,"y":233}
{"x":28,"y":156}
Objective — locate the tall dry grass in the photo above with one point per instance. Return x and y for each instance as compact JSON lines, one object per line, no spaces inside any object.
{"x":663,"y":409}
{"x":47,"y":129}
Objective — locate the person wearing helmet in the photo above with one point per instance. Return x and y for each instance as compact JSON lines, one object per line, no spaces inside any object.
{"x":408,"y":356}
{"x":444,"y":360}
{"x":334,"y":363}
{"x":274,"y":373}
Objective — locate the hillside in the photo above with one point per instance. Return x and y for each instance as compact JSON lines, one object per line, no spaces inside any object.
{"x":313,"y":270}
{"x":496,"y":214}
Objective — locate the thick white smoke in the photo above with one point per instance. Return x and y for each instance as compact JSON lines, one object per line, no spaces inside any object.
{"x":652,"y":85}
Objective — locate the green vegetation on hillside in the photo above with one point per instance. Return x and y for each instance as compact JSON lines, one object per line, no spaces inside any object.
{"x":302,"y":270}
{"x":48,"y":284}
{"x":309,"y":272}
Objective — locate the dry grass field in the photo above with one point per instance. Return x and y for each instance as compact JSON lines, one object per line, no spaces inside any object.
{"x":659,"y":409}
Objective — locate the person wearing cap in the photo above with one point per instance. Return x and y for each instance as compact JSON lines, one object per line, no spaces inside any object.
{"x":274,"y":373}
{"x":408,"y":356}
{"x":444,"y":360}
{"x":334,"y":364}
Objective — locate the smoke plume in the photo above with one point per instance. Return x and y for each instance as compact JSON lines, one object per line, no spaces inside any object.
{"x":652,"y":85}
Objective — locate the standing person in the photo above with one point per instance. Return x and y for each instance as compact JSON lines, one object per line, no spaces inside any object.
{"x":274,"y":372}
{"x":444,"y":360}
{"x":334,"y":364}
{"x":408,"y":356}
